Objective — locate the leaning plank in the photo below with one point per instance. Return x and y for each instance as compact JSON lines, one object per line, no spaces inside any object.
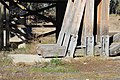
{"x":66,"y":22}
{"x":69,"y":31}
{"x":76,"y":25}
{"x":71,"y":27}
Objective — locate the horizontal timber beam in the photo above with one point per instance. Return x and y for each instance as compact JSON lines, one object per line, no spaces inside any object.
{"x":43,"y":1}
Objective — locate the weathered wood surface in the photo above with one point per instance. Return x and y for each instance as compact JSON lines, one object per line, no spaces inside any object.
{"x":116,"y":37}
{"x":98,"y":20}
{"x":105,"y":45}
{"x":104,"y":27}
{"x":104,"y":18}
{"x":43,"y":1}
{"x":69,"y":29}
{"x":89,"y":26}
{"x":66,"y":22}
{"x":51,"y":50}
{"x":76,"y":25}
{"x":89,"y":17}
{"x":1,"y":32}
{"x":115,"y":49}
{"x":60,"y":48}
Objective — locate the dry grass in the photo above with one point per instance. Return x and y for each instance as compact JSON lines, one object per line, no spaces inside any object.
{"x":29,"y":49}
{"x":75,"y":69}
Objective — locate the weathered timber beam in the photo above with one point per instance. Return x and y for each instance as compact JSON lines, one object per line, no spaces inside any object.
{"x":3,"y":2}
{"x":30,"y":12}
{"x":40,"y":10}
{"x":50,"y":26}
{"x":42,"y":1}
{"x":77,"y":19}
{"x":46,"y":18}
{"x":88,"y":27}
{"x":48,"y":7}
{"x":104,"y":27}
{"x":15,"y":3}
{"x":99,"y":4}
{"x":46,"y":34}
{"x":104,"y":17}
{"x":16,"y":30}
{"x":89,"y":17}
{"x":66,"y":21}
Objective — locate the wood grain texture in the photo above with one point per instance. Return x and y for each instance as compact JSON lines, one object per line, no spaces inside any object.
{"x":66,"y":22}
{"x":104,"y":18}
{"x":76,"y":25}
{"x":98,"y":20}
{"x":88,"y":23}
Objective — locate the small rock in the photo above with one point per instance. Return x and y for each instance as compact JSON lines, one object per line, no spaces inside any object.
{"x":85,"y":63}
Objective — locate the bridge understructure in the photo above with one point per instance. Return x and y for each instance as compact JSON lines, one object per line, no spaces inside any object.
{"x":18,"y":17}
{"x":82,"y":26}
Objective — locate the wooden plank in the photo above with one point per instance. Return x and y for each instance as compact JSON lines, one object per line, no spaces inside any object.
{"x":83,"y":36}
{"x":115,"y":49}
{"x":116,"y":37}
{"x":70,"y":29}
{"x":98,"y":20}
{"x":66,"y":21}
{"x":89,"y":26}
{"x":88,"y":21}
{"x":105,"y":45}
{"x":1,"y":26}
{"x":70,"y":24}
{"x":76,"y":25}
{"x":104,"y":27}
{"x":89,"y":17}
{"x":65,"y":30}
{"x":104,"y":18}
{"x":43,"y":1}
{"x":51,"y":50}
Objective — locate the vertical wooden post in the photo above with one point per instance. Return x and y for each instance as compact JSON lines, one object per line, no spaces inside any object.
{"x":98,"y":20}
{"x":105,"y":45}
{"x":104,"y":18}
{"x":104,"y":27}
{"x":1,"y":26}
{"x":89,"y":25}
{"x":6,"y":29}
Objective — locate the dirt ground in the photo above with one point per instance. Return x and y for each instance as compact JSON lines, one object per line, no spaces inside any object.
{"x":87,"y":68}
{"x":82,"y":68}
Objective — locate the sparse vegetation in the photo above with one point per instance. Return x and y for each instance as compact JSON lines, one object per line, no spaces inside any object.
{"x":28,"y":49}
{"x":81,"y":69}
{"x":5,"y":60}
{"x":56,"y":61}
